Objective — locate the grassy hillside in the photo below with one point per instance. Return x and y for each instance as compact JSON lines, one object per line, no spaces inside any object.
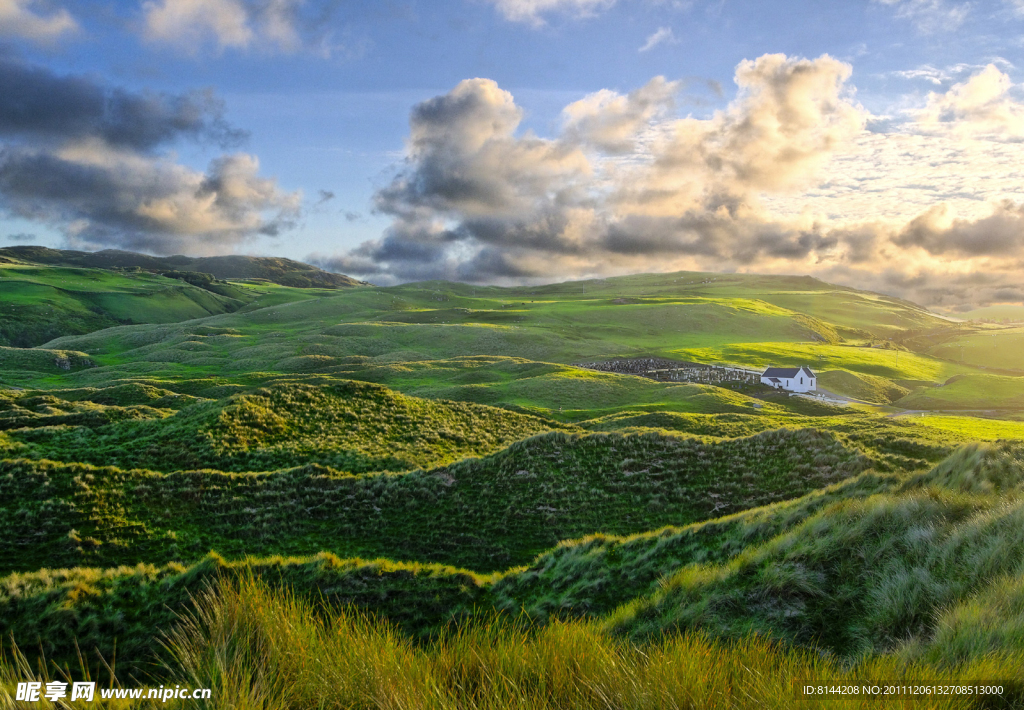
{"x":1000,"y":347}
{"x":40,"y":303}
{"x":277,"y":270}
{"x":911,"y":560}
{"x":869,"y":388}
{"x":974,"y":391}
{"x":482,"y":514}
{"x":512,"y":346}
{"x":894,"y":562}
{"x":433,"y":454}
{"x":880,"y":362}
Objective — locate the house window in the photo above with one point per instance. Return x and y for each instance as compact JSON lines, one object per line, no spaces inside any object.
{"x":801,"y":380}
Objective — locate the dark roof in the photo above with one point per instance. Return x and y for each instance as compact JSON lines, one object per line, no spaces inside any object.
{"x":775,"y":379}
{"x":786,"y":372}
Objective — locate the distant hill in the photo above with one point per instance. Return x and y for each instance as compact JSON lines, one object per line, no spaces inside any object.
{"x":47,"y":294}
{"x":275,"y":269}
{"x":995,"y":313}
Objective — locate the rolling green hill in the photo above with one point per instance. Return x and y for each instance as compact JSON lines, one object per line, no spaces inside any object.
{"x":277,"y":270}
{"x":512,"y":346}
{"x":926,"y":554}
{"x":40,"y":303}
{"x":437,"y":454}
{"x":869,"y":388}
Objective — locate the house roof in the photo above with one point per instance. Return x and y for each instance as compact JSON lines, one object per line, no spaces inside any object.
{"x":776,"y":380}
{"x":786,"y":372}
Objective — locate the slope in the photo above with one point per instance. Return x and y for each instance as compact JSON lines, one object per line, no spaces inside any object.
{"x":285,"y":272}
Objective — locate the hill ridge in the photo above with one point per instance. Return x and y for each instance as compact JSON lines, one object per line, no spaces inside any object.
{"x":279,"y":270}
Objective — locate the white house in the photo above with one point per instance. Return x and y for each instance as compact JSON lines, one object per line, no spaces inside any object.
{"x":792,"y":379}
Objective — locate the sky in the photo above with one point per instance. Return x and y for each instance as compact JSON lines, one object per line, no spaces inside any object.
{"x":872,"y":143}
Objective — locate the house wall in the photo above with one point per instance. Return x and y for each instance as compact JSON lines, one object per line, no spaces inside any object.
{"x":792,"y":384}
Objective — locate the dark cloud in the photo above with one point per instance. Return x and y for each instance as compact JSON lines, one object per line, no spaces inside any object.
{"x":85,"y":159}
{"x":37,"y":104}
{"x":939,"y":233}
{"x":22,"y":238}
{"x":623,"y":183}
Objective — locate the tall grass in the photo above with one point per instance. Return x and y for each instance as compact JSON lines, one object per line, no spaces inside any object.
{"x":262,"y":648}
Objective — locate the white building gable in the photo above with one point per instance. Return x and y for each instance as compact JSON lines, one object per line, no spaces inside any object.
{"x":791,"y":379}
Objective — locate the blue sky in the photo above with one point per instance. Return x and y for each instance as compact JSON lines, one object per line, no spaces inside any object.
{"x":875,"y":143}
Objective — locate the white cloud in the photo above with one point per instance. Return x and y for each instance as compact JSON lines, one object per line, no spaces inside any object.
{"x":980,"y":105}
{"x":531,"y":11}
{"x":930,"y":16}
{"x":615,"y":123}
{"x":18,"y":20}
{"x":190,"y":25}
{"x":785,"y":179}
{"x":660,"y":36}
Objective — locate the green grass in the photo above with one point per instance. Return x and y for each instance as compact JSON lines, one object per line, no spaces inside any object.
{"x":892,"y":562}
{"x":483,"y":514}
{"x":869,"y":388}
{"x":973,"y":427}
{"x":428,"y":453}
{"x":1000,"y":347}
{"x":41,"y":303}
{"x":973,"y":391}
{"x":351,"y":426}
{"x":909,"y":559}
{"x":44,"y":302}
{"x":880,"y":362}
{"x":256,"y":646}
{"x":422,"y":338}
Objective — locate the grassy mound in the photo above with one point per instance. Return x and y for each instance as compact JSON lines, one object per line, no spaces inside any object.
{"x":972,"y":391}
{"x":484,"y":514}
{"x":350,"y":426}
{"x":892,"y":562}
{"x":926,"y":567}
{"x":726,"y":425}
{"x":869,"y":388}
{"x":121,"y":612}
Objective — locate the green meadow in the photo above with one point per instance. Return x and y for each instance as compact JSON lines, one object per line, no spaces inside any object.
{"x":421,"y":497}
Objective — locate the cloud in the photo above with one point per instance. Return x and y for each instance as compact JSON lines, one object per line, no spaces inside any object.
{"x":263,"y":25}
{"x":613,"y":122}
{"x":931,"y":16}
{"x":624,"y":184}
{"x":38,"y":105}
{"x":18,"y":20}
{"x":940,"y":232}
{"x":21,"y":238}
{"x":980,"y":105}
{"x":660,"y":36}
{"x":531,"y":11}
{"x":784,"y":179}
{"x":87,"y":160}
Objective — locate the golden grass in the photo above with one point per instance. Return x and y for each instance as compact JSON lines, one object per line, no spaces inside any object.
{"x":265,"y":649}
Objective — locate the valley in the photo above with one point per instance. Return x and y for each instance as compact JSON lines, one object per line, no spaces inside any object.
{"x":431,"y":456}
